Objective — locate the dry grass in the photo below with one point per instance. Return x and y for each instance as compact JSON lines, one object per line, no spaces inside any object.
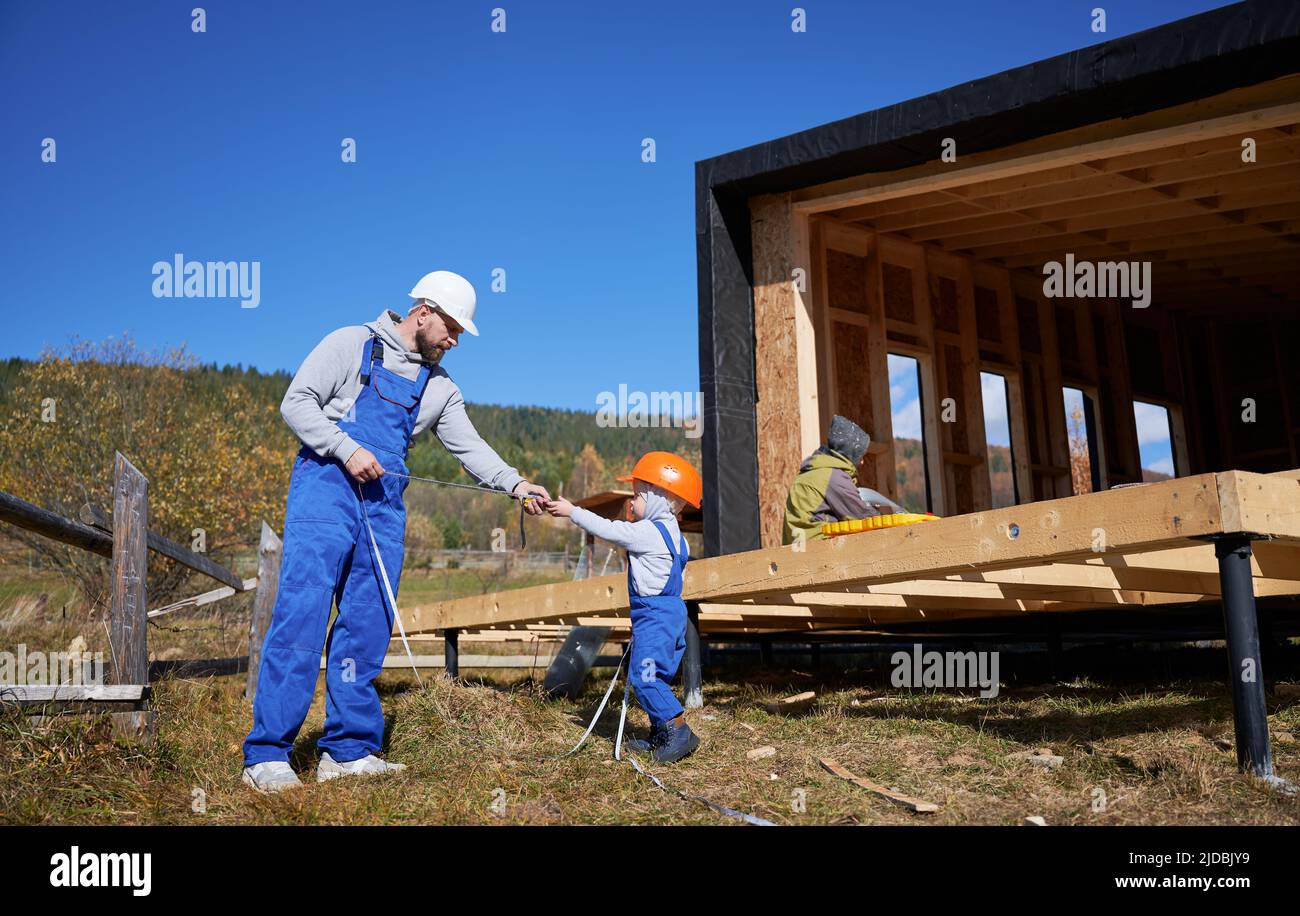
{"x":484,"y":753}
{"x":1151,"y":730}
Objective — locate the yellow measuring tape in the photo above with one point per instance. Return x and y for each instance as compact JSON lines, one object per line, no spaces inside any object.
{"x":855,"y":525}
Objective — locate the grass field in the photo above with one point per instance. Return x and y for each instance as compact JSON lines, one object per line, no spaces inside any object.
{"x":1145,"y":736}
{"x":483,"y":752}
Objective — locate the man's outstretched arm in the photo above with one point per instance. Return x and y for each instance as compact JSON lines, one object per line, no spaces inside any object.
{"x":457,"y":433}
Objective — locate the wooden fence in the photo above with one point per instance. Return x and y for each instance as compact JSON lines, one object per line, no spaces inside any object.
{"x":124,"y":537}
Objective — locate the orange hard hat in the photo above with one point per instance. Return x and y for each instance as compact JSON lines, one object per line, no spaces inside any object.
{"x":671,"y":473}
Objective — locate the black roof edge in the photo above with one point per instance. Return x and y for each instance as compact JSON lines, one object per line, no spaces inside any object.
{"x":1196,"y":57}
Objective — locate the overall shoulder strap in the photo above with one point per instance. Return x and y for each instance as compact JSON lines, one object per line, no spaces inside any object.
{"x":374,"y":350}
{"x":668,"y":542}
{"x":422,"y":381}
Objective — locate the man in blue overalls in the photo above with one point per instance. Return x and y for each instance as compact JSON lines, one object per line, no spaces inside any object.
{"x":356,"y":403}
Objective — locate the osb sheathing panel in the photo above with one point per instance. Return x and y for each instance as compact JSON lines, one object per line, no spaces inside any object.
{"x":898,"y":293}
{"x":775,"y":358}
{"x":846,"y":281}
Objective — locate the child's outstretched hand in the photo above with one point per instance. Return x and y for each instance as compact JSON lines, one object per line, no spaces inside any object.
{"x":560,"y":508}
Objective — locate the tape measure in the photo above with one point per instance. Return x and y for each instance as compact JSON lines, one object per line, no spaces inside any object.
{"x":855,"y":525}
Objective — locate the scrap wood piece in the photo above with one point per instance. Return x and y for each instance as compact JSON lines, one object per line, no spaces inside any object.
{"x":915,"y":805}
{"x":759,"y":753}
{"x":797,"y":703}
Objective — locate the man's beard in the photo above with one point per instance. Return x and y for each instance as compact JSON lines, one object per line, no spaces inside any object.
{"x":429,"y":351}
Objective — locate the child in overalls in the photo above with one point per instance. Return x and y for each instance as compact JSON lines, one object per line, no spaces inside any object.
{"x":657,"y":553}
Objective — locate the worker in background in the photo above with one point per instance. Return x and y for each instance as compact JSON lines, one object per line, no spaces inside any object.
{"x":826,"y":489}
{"x":356,"y":403}
{"x":663,"y":484}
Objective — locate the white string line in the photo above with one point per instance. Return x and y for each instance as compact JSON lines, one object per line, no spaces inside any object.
{"x":388,"y":588}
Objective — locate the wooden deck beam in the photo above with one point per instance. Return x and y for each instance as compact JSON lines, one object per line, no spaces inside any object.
{"x":1040,"y":551}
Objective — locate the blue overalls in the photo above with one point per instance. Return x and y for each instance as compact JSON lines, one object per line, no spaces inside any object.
{"x":327,"y":559}
{"x":658,"y":638}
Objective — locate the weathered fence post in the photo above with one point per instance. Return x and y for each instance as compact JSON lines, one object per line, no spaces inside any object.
{"x":268,"y":582}
{"x":129,"y":624}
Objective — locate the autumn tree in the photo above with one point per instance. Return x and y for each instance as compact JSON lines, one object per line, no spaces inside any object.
{"x":216,"y":458}
{"x":1080,"y":463}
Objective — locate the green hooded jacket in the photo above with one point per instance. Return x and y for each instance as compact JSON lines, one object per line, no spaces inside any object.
{"x":826,"y":490}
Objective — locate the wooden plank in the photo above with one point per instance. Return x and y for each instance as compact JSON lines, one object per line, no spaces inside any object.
{"x":1081,"y":206}
{"x":969,"y":475}
{"x":1162,"y":209}
{"x":1271,"y":561}
{"x":22,"y":693}
{"x":170,"y":549}
{"x":1053,"y":151}
{"x":200,"y":600}
{"x":1178,"y":436}
{"x":1122,"y":577}
{"x":939,"y":501}
{"x":1261,"y":504}
{"x":1127,"y":455}
{"x":399,"y":662}
{"x":1147,"y":531}
{"x":269,"y":551}
{"x":1064,"y":207}
{"x":822,"y":320}
{"x":915,"y":805}
{"x":882,"y":419}
{"x":805,"y":337}
{"x":1161,"y":514}
{"x":791,"y":705}
{"x":875,"y":596}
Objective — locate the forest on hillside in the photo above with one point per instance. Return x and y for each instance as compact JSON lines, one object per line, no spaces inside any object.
{"x":217,"y":454}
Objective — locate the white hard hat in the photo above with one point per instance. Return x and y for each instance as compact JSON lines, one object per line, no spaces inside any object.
{"x":450,"y":292}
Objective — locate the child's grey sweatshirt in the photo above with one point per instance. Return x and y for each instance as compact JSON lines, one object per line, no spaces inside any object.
{"x":648,"y":556}
{"x":329,"y":381}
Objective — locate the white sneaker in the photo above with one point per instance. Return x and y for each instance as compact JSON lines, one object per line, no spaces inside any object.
{"x":271,"y":776}
{"x":369,"y":765}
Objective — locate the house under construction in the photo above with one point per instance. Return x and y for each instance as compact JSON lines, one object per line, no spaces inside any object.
{"x":917,"y":236}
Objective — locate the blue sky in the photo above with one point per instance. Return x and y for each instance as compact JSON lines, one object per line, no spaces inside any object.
{"x":475,"y":150}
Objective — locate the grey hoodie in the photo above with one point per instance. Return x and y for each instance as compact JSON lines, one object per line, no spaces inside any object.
{"x":648,"y":557}
{"x":329,"y":380}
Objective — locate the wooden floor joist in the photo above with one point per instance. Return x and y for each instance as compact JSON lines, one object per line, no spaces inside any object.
{"x":1141,"y":547}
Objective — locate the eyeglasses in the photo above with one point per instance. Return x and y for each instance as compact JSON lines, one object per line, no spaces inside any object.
{"x":452,"y":324}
